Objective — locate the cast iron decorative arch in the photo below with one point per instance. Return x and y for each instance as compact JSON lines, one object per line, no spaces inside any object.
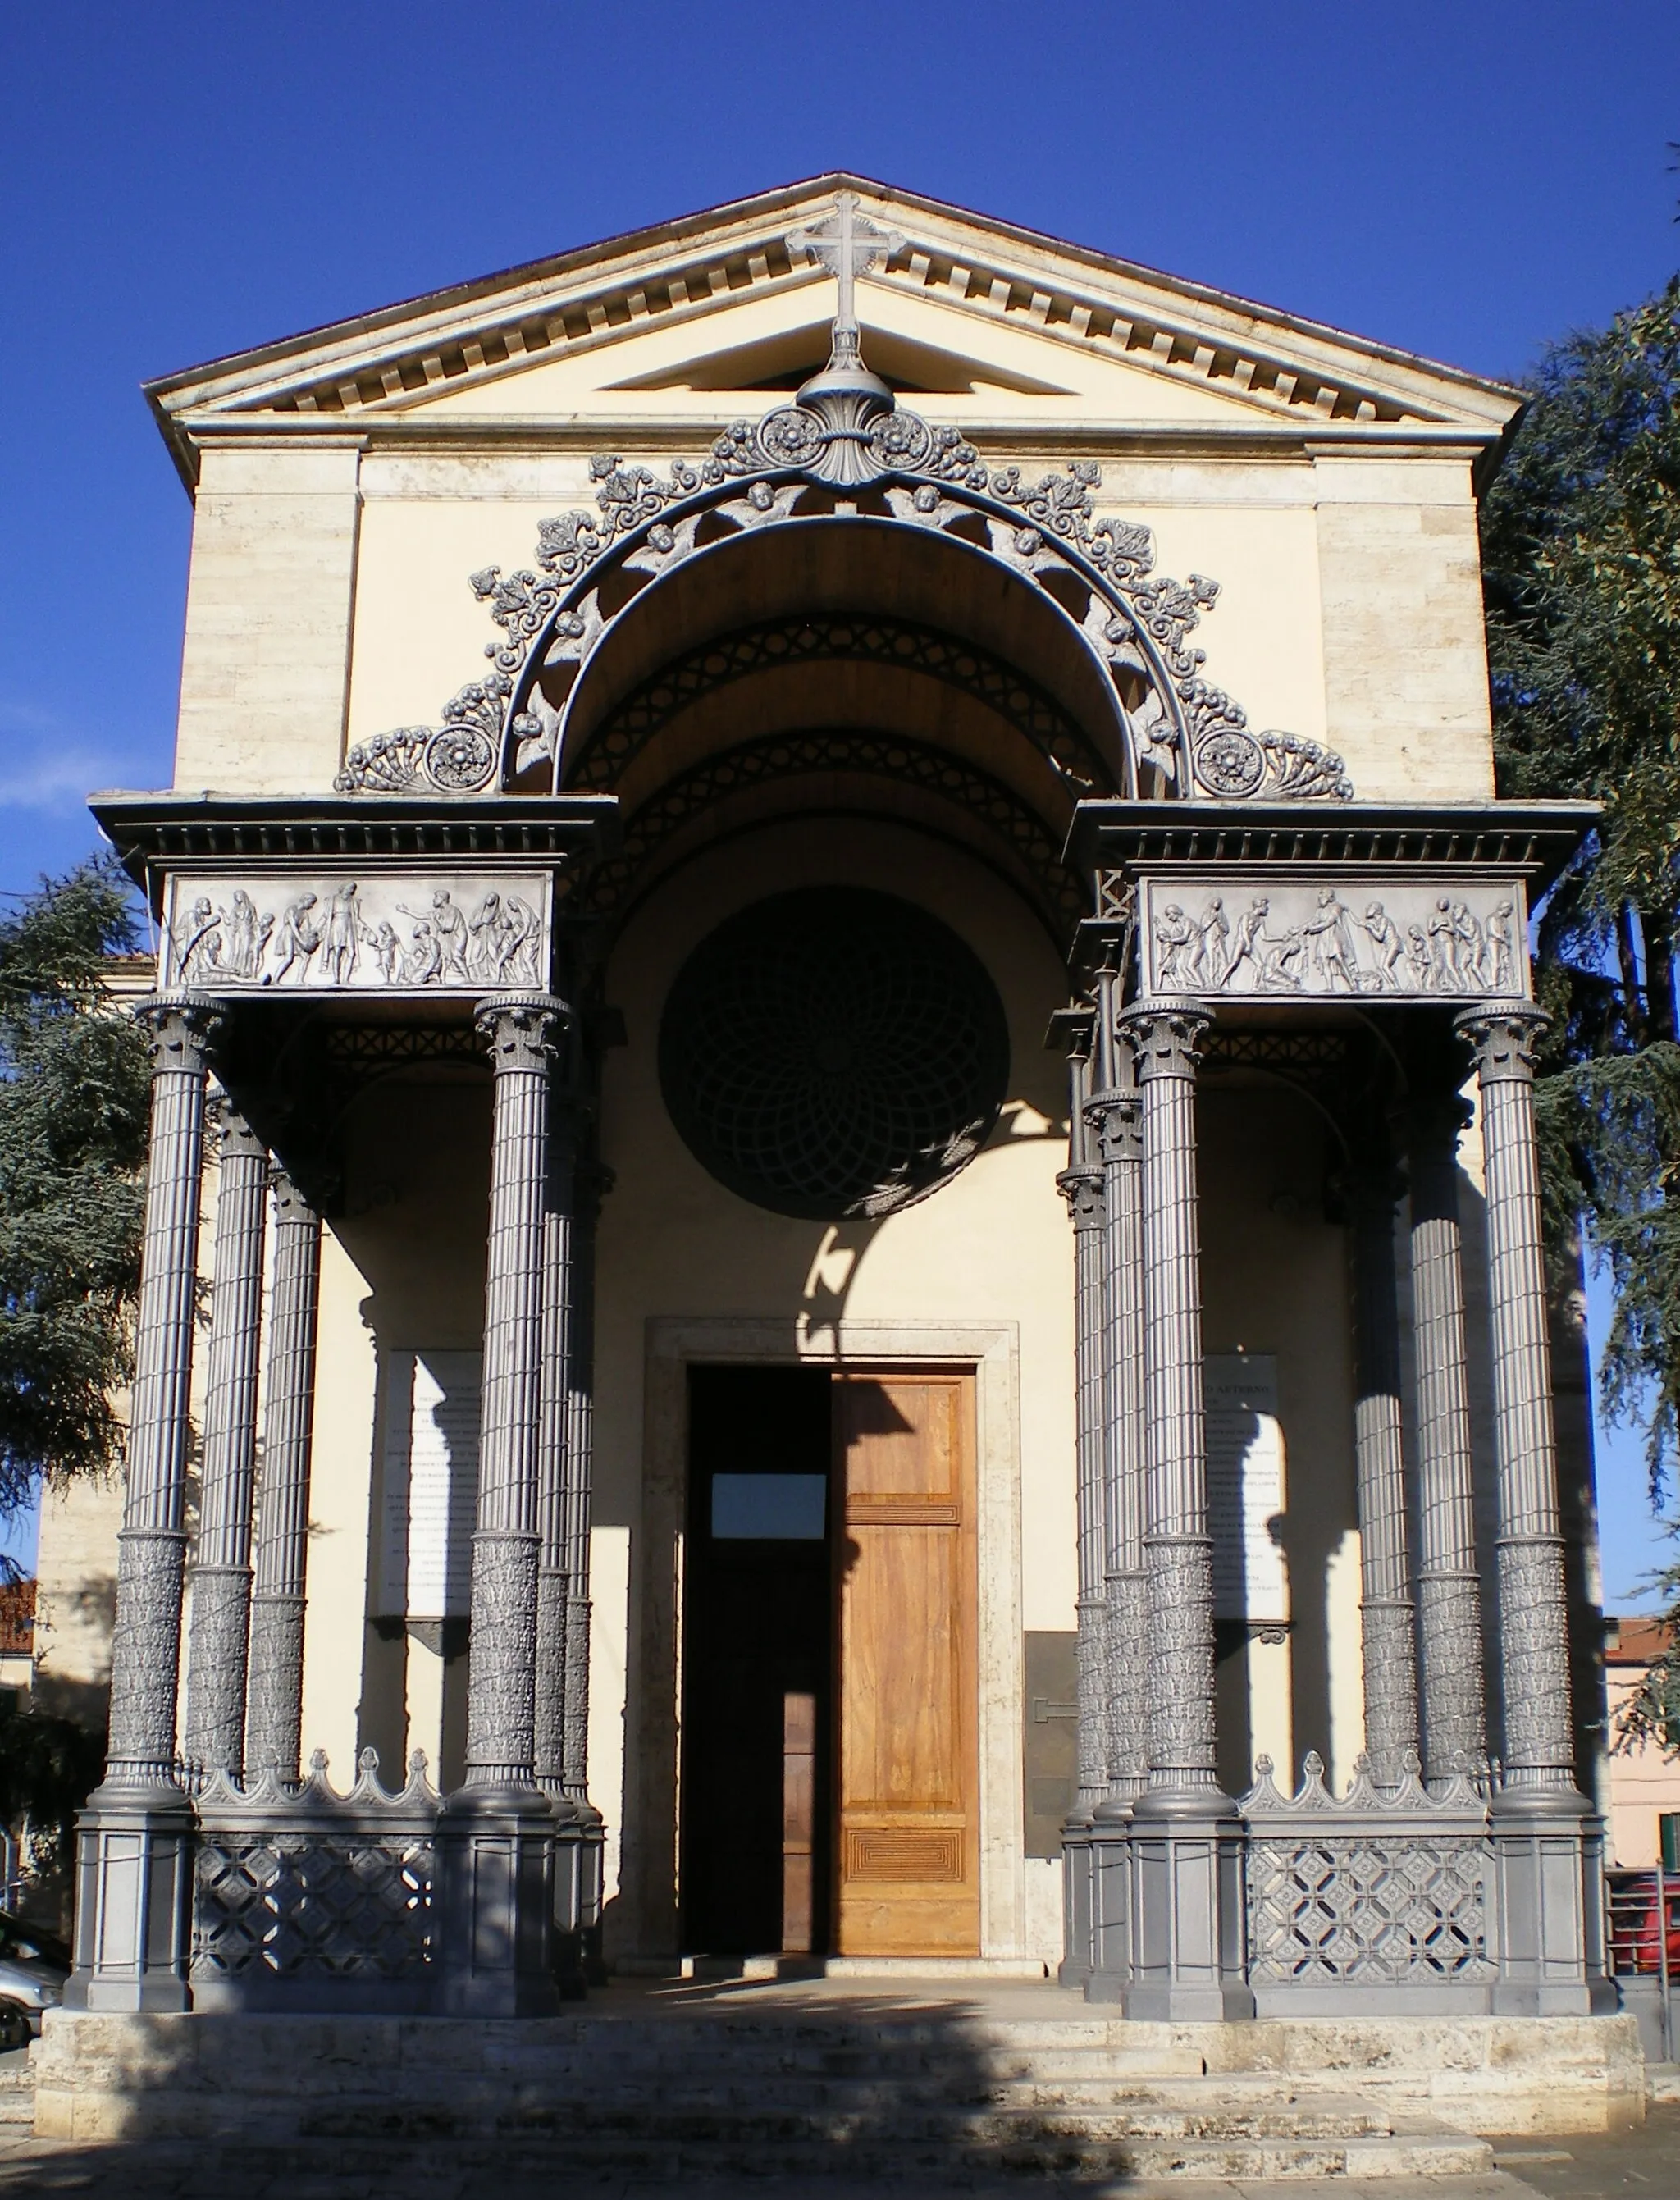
{"x":835,"y":456}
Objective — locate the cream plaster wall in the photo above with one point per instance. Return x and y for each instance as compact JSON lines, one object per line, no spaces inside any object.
{"x":266,"y":658}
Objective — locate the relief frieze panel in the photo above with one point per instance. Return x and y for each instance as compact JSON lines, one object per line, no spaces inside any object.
{"x":286,"y":931}
{"x":1334,"y":938}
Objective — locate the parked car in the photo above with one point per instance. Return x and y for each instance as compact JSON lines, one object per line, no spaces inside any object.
{"x":1636,"y":1943}
{"x":34,"y":1968}
{"x":15,"y":2029}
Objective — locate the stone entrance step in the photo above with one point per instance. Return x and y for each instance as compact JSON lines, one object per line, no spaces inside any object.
{"x":635,"y":2084}
{"x":17,"y":2088}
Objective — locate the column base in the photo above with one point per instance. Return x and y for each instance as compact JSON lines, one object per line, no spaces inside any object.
{"x":495,"y":1868}
{"x":593,"y":1857}
{"x":1548,"y":1864}
{"x":1077,"y":1901}
{"x":571,"y":1874}
{"x":1188,"y":1926}
{"x":134,"y":1851}
{"x":1110,"y":1850}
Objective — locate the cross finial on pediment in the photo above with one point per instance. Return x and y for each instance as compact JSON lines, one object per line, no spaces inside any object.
{"x":847,"y":244}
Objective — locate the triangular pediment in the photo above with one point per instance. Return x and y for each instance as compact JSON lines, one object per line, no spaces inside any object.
{"x":679,"y":320}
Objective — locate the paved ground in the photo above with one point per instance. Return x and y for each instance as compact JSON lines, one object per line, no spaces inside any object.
{"x":1644,"y":2163}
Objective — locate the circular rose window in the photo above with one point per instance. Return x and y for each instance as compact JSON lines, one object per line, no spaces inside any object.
{"x":833,"y":1053}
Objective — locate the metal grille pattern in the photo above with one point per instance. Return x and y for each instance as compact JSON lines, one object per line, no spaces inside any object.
{"x":1367,"y":1910}
{"x":329,"y":1904}
{"x":833,"y":1053}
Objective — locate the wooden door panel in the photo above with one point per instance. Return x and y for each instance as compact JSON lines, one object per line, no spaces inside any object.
{"x":908,"y":1861}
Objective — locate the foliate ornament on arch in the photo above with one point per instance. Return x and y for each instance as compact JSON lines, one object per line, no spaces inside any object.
{"x":1188,"y":734}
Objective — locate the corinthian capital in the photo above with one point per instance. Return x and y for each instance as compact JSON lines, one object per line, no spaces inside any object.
{"x":1166,"y":1037}
{"x":1116,"y":1121}
{"x":180,"y":1030}
{"x":520,"y":1029}
{"x":1503,"y":1035}
{"x":1082,"y":1189}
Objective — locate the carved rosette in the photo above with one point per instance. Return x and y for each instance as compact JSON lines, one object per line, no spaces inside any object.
{"x":1533,"y":1607}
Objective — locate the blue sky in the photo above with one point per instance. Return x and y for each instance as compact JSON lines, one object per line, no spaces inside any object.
{"x":176,"y":183}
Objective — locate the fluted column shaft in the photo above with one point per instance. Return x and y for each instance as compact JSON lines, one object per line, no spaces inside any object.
{"x":1390,"y":1659}
{"x":145,"y":1648}
{"x":1450,"y":1596}
{"x":1177,"y":1545}
{"x":1533,"y":1606}
{"x":554,"y":1579}
{"x":1115,"y":1116}
{"x":501,"y":1685}
{"x":218,"y":1643}
{"x":1081,"y":1186}
{"x":274,"y":1691}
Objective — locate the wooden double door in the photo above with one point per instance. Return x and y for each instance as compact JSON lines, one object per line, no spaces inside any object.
{"x":829,"y":1796}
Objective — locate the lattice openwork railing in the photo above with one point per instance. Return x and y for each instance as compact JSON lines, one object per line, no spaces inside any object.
{"x":305,"y":1898}
{"x":1386,"y":1894}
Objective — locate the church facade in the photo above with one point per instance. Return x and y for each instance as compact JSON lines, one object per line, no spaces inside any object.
{"x":863,"y":1170}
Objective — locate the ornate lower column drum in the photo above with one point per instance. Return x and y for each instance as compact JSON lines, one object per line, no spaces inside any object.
{"x":1547,"y":1844}
{"x":1448,"y":1584}
{"x":1081,"y":1185}
{"x":218,"y":1640}
{"x":134,"y":1839}
{"x":274,"y":1692}
{"x":496,"y":1833}
{"x":1187,"y":1909}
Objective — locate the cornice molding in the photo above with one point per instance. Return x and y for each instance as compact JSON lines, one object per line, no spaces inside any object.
{"x":385,"y":362}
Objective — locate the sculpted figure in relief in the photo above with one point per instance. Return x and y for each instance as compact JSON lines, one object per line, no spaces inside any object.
{"x":1331,"y":949}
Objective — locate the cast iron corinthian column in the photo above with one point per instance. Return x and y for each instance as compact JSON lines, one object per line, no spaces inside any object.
{"x":133,"y":1863}
{"x":1187,"y":1923}
{"x":1114,"y":1113}
{"x":593,"y":1182}
{"x":1547,"y":1856}
{"x":1390,"y":1659}
{"x":274,"y":1692}
{"x":1081,"y":1185}
{"x":554,"y":1579}
{"x":217,"y":1640}
{"x":1450,"y":1597}
{"x":497,"y":1832}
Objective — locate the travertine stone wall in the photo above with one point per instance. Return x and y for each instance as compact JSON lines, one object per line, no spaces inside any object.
{"x":1405,"y":664}
{"x":266,"y":666}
